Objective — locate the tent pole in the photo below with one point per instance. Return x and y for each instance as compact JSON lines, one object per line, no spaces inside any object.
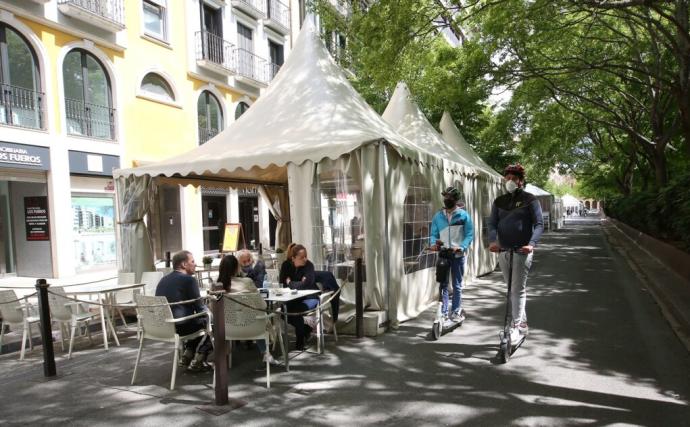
{"x":383,"y":165}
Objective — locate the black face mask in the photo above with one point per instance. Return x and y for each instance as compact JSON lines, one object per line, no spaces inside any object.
{"x":448,"y":203}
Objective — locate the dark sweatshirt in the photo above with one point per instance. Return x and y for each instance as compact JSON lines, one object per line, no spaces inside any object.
{"x":177,"y":287}
{"x":287,"y":269}
{"x":516,"y":220}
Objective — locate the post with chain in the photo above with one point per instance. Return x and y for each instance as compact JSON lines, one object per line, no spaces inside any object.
{"x":359,"y":299}
{"x":46,"y":331}
{"x":221,"y":358}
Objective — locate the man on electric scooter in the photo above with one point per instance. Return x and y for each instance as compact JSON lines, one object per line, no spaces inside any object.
{"x":516,"y":223}
{"x":452,"y":226}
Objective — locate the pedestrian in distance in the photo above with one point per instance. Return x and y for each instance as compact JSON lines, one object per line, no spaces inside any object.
{"x":452,"y":226}
{"x":516,"y":225}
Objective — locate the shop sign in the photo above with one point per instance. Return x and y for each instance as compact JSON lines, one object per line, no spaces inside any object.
{"x":36,"y":217}
{"x":24,"y":156}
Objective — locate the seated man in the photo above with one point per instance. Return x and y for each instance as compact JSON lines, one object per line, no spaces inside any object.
{"x":180,"y":285}
{"x":254,"y":270}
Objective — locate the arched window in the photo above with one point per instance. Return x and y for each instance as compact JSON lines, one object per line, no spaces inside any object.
{"x":210,"y":116}
{"x":88,"y":99}
{"x":416,"y":225}
{"x":241,"y":108}
{"x":21,"y":100}
{"x":155,"y":85}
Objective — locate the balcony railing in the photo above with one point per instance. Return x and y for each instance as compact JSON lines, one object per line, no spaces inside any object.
{"x":252,"y":66}
{"x":86,"y":119}
{"x":278,"y":17}
{"x":212,"y":49}
{"x":206,"y":134}
{"x":272,"y":70}
{"x":110,"y":13}
{"x":253,"y":8}
{"x":21,"y":107}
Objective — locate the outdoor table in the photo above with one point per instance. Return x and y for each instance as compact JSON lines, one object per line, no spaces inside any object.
{"x":287,"y":296}
{"x":105,"y":294}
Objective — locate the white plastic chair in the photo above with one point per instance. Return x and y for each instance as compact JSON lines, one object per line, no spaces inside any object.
{"x":125,"y":297}
{"x":156,"y":323}
{"x":244,"y":323}
{"x":68,"y":312}
{"x":150,"y":280}
{"x":15,"y":314}
{"x":324,"y":309}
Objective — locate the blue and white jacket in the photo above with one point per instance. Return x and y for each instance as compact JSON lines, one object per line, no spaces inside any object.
{"x":455,"y":230}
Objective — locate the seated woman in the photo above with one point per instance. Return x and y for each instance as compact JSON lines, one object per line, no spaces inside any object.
{"x":297,"y":272}
{"x":229,"y":276}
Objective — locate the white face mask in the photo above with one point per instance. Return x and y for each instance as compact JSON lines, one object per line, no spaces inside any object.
{"x":511,"y":186}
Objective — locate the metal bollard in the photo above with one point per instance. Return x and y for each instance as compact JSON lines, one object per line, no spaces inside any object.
{"x":221,"y":358}
{"x":168,"y":263}
{"x":46,"y":331}
{"x":359,"y":299}
{"x":261,"y":249}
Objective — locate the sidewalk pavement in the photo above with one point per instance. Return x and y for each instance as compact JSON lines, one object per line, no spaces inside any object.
{"x":670,"y":291}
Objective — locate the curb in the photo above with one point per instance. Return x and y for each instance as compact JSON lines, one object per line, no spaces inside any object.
{"x":671,"y":305}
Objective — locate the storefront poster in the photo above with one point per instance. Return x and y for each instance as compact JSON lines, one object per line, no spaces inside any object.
{"x":36,"y":217}
{"x":94,"y":231}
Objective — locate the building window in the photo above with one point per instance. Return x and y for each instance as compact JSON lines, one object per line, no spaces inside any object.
{"x":155,"y":18}
{"x":88,"y":98}
{"x":277,"y":58}
{"x":20,"y":98}
{"x":417,"y":213}
{"x":242,"y":107}
{"x":154,"y":85}
{"x":210,"y":116}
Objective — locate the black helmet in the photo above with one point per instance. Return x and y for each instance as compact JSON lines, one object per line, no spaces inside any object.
{"x":451,"y":192}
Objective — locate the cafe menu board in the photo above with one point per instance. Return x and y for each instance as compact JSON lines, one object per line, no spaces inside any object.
{"x":36,"y":217}
{"x":231,"y":237}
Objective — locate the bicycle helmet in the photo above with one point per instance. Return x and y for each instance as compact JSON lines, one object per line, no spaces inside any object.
{"x":515,"y":169}
{"x":451,"y":192}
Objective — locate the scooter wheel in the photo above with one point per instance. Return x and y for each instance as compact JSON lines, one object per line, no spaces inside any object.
{"x":436,"y":331}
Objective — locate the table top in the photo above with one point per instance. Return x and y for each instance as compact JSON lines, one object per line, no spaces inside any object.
{"x":94,"y":288}
{"x":290,"y":295}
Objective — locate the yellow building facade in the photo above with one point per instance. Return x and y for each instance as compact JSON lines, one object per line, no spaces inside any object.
{"x":92,"y":85}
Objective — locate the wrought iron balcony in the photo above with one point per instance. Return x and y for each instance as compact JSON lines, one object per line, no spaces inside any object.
{"x":342,"y":7}
{"x":21,"y":107}
{"x":254,"y":8}
{"x":109,"y":14}
{"x":251,"y":68}
{"x":92,"y":120}
{"x":214,"y":53}
{"x":278,"y":17}
{"x":273,"y":70}
{"x":205,"y":134}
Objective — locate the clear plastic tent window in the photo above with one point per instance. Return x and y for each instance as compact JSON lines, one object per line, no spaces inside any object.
{"x":416,"y":226}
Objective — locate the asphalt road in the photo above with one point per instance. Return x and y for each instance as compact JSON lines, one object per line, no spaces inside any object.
{"x":599,"y":353}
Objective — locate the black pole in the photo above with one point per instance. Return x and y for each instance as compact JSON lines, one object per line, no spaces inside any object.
{"x":221,"y":358}
{"x":167,"y":259}
{"x":359,"y":299}
{"x":261,"y":249}
{"x":46,"y":331}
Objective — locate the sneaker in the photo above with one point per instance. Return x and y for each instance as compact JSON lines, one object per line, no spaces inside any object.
{"x":514,"y":336}
{"x":186,"y":358}
{"x":457,"y":316}
{"x":199,"y":364}
{"x":271,"y":361}
{"x":523,"y":328}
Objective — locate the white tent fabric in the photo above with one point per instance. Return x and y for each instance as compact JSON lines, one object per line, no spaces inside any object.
{"x":570,"y":201}
{"x":531,"y":188}
{"x":419,"y":287}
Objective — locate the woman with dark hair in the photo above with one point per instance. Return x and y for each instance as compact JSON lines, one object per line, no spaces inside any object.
{"x":229,"y":276}
{"x":297,"y":272}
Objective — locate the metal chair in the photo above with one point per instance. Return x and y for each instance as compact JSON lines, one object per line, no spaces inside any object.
{"x":126,"y":297}
{"x":156,"y":323}
{"x":68,"y":312}
{"x":15,"y":314}
{"x":150,"y":280}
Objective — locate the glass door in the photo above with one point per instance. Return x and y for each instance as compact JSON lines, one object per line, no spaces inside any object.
{"x":7,"y":262}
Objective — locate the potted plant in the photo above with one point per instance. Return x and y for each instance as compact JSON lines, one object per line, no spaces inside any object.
{"x":207,"y":260}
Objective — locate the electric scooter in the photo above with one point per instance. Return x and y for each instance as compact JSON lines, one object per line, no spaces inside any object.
{"x":441,"y":325}
{"x":506,"y":346}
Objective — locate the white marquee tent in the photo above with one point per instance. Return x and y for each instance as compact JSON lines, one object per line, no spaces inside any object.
{"x":331,"y":168}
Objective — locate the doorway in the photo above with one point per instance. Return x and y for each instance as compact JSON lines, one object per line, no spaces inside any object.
{"x":249,"y":218}
{"x":214,"y":214}
{"x":7,"y":263}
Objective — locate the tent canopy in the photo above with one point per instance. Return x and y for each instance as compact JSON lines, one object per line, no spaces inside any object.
{"x":531,"y":188}
{"x":309,"y":112}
